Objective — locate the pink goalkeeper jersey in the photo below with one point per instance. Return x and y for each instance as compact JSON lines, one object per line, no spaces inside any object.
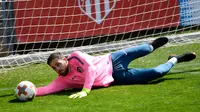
{"x":85,"y":72}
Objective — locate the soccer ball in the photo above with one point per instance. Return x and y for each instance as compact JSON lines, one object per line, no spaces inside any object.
{"x":25,"y":91}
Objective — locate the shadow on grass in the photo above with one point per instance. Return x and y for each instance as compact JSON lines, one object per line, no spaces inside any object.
{"x":13,"y":100}
{"x":184,"y":71}
{"x":163,"y":79}
{"x":17,"y":101}
{"x":156,"y":81}
{"x":69,"y":92}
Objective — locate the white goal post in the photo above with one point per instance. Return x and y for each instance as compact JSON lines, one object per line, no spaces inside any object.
{"x":32,"y":29}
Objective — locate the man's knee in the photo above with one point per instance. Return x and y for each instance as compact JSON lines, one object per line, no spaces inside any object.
{"x":158,"y":71}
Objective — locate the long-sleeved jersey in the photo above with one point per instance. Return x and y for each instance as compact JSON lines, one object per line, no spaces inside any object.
{"x":86,"y":71}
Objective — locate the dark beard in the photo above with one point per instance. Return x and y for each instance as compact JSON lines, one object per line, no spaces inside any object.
{"x":66,"y":72}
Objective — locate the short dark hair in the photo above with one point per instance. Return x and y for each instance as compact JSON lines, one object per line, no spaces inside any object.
{"x":55,"y":55}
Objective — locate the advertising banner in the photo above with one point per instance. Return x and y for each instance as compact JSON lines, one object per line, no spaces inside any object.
{"x":45,"y":20}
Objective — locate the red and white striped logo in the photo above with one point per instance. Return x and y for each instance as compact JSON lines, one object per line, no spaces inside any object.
{"x":97,"y":10}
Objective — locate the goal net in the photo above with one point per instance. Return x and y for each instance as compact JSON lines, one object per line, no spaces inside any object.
{"x":32,"y":29}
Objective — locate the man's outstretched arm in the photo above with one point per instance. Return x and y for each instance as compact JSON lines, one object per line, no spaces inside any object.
{"x":56,"y":86}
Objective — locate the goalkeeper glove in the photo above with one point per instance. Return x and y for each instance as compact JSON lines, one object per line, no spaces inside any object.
{"x":81,"y":94}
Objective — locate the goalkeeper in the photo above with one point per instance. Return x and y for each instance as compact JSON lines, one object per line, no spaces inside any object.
{"x":80,"y":70}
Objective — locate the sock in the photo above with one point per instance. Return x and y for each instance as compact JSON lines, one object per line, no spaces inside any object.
{"x":173,"y":60}
{"x":151,"y":47}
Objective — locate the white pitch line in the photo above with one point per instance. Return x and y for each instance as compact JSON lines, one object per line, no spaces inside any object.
{"x":4,"y":89}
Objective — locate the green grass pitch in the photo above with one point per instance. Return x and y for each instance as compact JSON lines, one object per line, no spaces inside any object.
{"x":178,"y":91}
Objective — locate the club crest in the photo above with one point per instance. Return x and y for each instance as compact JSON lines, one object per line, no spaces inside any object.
{"x":97,"y":10}
{"x":79,"y":69}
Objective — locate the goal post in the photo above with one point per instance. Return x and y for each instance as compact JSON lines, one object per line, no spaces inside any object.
{"x":33,"y":29}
